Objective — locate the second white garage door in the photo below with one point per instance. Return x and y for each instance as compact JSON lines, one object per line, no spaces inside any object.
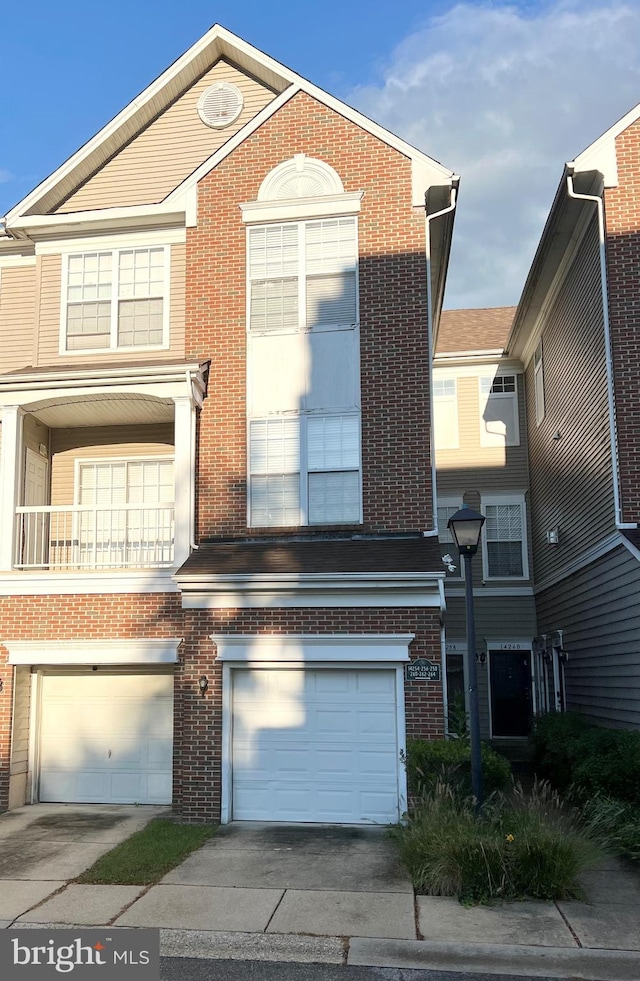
{"x":106,"y":738}
{"x":315,"y":745}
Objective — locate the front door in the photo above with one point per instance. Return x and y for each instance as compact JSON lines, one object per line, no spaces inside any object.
{"x":511,"y":708}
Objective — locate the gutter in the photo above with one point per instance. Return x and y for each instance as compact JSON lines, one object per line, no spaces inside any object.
{"x":428,"y":219}
{"x":613,"y":435}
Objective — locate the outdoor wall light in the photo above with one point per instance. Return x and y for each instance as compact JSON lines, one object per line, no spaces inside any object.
{"x":481,"y":658}
{"x":203,"y":684}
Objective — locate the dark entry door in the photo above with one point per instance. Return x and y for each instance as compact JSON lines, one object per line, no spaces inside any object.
{"x":511,"y":707}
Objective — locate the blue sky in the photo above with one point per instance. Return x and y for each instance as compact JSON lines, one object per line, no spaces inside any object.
{"x":502,"y":93}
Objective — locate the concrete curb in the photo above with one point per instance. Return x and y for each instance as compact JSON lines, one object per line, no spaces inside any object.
{"x":553,"y":962}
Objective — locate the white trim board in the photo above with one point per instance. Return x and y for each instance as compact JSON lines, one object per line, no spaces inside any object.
{"x":312,"y":648}
{"x":161,"y":650}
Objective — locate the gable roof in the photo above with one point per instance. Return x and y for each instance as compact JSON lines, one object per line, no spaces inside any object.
{"x":217,"y":43}
{"x":474,"y":330}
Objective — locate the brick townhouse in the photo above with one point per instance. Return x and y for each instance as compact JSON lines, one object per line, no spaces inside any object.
{"x":217,"y":539}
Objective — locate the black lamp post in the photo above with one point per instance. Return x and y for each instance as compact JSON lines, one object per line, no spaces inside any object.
{"x":466,"y":526}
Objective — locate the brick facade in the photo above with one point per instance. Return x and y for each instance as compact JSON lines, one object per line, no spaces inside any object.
{"x":622,"y":207}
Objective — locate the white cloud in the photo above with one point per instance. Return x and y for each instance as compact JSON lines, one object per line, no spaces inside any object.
{"x":504,"y":96}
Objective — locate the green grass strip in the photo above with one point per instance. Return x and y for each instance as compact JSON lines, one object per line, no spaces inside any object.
{"x":148,"y":854}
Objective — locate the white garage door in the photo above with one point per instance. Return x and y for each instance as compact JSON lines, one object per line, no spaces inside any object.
{"x":315,"y":745}
{"x":106,"y":738}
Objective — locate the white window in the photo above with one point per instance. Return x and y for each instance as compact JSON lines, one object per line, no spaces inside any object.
{"x":445,"y":413}
{"x":538,"y":371}
{"x":303,"y":374}
{"x":302,"y":275}
{"x":115,"y":299}
{"x":304,"y":470}
{"x":504,"y":539}
{"x":448,"y":506}
{"x":126,"y":514}
{"x":499,"y":424}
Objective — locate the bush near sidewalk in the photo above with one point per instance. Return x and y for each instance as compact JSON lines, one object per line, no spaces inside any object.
{"x":520,"y":847}
{"x":600,"y":768}
{"x":147,"y":855}
{"x":448,"y":761}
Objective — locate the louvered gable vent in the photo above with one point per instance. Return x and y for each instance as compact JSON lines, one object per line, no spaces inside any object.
{"x":220,"y":105}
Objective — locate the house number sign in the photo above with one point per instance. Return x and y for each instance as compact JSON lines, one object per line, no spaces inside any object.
{"x":422,"y":670}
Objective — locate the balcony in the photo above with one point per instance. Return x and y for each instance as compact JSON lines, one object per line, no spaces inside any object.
{"x":84,"y":537}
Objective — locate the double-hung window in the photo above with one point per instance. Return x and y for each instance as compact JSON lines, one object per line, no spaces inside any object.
{"x":303,"y":378}
{"x":499,"y":424}
{"x":505,"y":537}
{"x":115,"y":299}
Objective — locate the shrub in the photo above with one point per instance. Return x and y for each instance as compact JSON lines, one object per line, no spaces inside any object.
{"x":569,"y":751}
{"x":448,"y":761}
{"x":517,"y":848}
{"x":615,"y":824}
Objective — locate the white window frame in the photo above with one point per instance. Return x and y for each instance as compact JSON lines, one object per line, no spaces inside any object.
{"x":304,"y":470}
{"x":491,"y":440}
{"x":514,"y":497}
{"x":538,"y":379}
{"x":447,"y":399}
{"x":449,"y":547}
{"x":301,"y":276}
{"x":114,"y":300}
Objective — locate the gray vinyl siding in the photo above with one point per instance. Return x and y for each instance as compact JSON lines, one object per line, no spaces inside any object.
{"x":571,"y":475}
{"x":496,"y":618}
{"x":598,"y":611}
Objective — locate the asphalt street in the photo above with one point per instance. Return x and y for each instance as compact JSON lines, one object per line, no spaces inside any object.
{"x":198,"y":969}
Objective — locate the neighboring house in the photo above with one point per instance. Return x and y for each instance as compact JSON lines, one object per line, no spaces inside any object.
{"x":481,"y":459}
{"x":217,"y":538}
{"x":577,"y":332}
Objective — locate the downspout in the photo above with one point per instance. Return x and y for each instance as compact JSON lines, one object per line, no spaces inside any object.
{"x":613,"y":436}
{"x":428,"y":219}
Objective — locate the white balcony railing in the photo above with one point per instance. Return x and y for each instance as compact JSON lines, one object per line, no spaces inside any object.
{"x":131,"y":536}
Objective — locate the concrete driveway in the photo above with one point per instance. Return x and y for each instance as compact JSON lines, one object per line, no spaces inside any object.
{"x":44,"y":845}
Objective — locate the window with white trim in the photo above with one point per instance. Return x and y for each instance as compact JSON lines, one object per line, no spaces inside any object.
{"x":304,"y":470}
{"x":114,"y":299}
{"x":303,"y":374}
{"x":302,"y":275}
{"x":504,"y":538}
{"x":538,"y":375}
{"x":499,"y":423}
{"x":447,"y":506}
{"x":445,"y":413}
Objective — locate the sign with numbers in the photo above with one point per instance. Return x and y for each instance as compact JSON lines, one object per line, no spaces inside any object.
{"x":422,"y":670}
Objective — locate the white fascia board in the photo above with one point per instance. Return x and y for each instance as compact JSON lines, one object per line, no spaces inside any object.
{"x":13,"y":261}
{"x":88,"y":583}
{"x":116,"y":240}
{"x":161,"y":650}
{"x":478,"y":368}
{"x":305,"y":648}
{"x":601,"y":154}
{"x":481,"y":591}
{"x":103,"y":220}
{"x":337,"y":591}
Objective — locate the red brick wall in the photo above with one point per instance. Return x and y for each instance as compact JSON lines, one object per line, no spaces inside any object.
{"x":622,"y":205}
{"x":198,"y":720}
{"x":395,"y":410}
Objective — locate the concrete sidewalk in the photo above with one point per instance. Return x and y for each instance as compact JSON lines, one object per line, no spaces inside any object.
{"x":338,"y":895}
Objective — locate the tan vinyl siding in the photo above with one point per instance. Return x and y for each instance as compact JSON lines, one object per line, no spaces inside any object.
{"x":17,"y":316}
{"x":35,"y":434}
{"x":571,"y":476}
{"x":169,"y":149}
{"x":472,"y":465}
{"x":50,"y":315}
{"x":67,"y":446}
{"x":19,"y":764}
{"x":497,"y":618}
{"x":597,"y":609}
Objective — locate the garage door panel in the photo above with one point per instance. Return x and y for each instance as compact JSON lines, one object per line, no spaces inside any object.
{"x":336,"y":758}
{"x":102,"y":734}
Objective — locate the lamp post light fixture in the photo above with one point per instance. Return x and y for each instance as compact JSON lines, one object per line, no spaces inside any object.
{"x":466,"y":526}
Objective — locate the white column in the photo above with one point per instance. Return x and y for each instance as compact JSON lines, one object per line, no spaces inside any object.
{"x":10,"y":456}
{"x":185,"y":456}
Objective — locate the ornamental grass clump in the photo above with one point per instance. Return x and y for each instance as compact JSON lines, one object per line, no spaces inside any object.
{"x":519,"y":847}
